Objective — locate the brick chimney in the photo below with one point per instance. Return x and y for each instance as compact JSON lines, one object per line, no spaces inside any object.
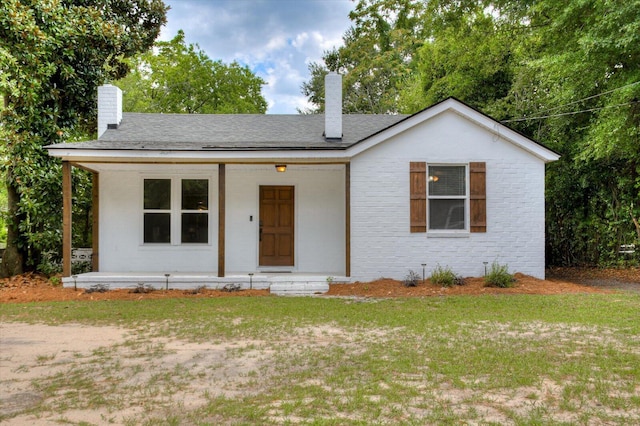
{"x":109,"y":108}
{"x":333,"y":106}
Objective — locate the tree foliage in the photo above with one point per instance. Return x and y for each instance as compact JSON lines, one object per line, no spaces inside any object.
{"x":53,"y":55}
{"x":566,"y":73}
{"x":176,"y":78}
{"x":375,"y":58}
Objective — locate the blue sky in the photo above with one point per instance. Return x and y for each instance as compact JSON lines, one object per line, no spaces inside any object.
{"x":277,"y":39}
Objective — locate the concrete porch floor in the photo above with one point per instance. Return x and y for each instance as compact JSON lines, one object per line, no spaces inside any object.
{"x":277,"y":283}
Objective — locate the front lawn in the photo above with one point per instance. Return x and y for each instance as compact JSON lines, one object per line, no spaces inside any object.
{"x":508,"y":359}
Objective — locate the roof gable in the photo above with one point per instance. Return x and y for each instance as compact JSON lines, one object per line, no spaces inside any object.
{"x":465,"y":111}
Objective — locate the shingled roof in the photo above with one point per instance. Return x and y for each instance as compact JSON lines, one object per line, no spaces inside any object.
{"x":196,"y":132}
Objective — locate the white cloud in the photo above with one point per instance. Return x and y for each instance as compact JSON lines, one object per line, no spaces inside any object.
{"x":299,"y":40}
{"x":276,"y":43}
{"x":277,"y":39}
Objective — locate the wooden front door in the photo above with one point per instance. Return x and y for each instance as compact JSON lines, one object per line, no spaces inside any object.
{"x":276,"y":225}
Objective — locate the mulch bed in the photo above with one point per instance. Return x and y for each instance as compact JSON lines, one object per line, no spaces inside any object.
{"x":37,"y":288}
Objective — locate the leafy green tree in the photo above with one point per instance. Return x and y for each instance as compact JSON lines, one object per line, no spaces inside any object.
{"x":563,"y":72}
{"x":579,"y":90}
{"x":177,"y":78}
{"x":375,"y":59}
{"x":53,"y":55}
{"x":470,"y":58}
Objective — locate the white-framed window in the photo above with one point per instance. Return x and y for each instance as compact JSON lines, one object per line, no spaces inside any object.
{"x":171,"y":203}
{"x":447,"y":197}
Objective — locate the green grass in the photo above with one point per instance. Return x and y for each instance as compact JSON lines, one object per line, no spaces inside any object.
{"x":518,"y":359}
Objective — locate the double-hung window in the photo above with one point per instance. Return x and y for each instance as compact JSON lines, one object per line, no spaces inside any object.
{"x":181,"y":204}
{"x":447,"y":197}
{"x":157,"y":210}
{"x":195,"y":211}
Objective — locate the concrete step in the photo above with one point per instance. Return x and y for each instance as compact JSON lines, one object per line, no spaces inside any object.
{"x":299,"y":288}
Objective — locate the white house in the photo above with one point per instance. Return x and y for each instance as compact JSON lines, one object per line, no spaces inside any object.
{"x":185,"y":200}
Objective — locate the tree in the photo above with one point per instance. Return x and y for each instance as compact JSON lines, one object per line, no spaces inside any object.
{"x":578,"y":91}
{"x":469,"y":58}
{"x":53,"y":55}
{"x":176,"y":78}
{"x":375,"y":59}
{"x":564,"y":73}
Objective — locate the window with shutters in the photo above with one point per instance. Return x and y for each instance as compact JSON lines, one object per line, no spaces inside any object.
{"x":180,"y":204}
{"x":448,"y":197}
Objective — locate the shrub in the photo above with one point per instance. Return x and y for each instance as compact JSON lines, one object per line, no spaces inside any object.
{"x":198,"y":290}
{"x":142,"y":288}
{"x":231,"y":287}
{"x":499,"y":276}
{"x":445,"y":277}
{"x":50,"y":265}
{"x":98,"y":288}
{"x":82,"y":267}
{"x":411,"y":280}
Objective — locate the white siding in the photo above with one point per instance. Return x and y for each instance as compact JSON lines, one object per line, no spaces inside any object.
{"x":319,"y":219}
{"x":121,"y":220}
{"x":381,"y":244}
{"x":319,"y":216}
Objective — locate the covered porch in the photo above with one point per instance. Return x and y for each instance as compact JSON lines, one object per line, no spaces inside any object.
{"x":233,"y":251}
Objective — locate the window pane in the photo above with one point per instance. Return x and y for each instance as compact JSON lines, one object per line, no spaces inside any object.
{"x":195,"y":194}
{"x":195,"y":227}
{"x":446,"y":214}
{"x":157,"y":227}
{"x":157,"y":194}
{"x":447,"y":180}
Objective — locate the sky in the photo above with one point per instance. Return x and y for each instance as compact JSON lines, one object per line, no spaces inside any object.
{"x":276,"y":39}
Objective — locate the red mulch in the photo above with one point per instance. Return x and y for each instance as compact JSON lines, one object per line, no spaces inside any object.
{"x":36,"y":288}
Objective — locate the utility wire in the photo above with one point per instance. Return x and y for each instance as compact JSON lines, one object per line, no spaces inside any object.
{"x":590,"y":97}
{"x":539,"y":117}
{"x":542,"y":117}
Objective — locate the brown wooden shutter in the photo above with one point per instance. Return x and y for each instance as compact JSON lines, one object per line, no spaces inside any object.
{"x":418,"y":196}
{"x":478,"y":192}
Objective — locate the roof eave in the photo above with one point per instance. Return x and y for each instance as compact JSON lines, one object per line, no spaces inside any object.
{"x":194,"y":156}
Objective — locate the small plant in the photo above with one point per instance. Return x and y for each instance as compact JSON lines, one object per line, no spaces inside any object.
{"x":445,"y":277}
{"x":231,"y":287}
{"x":81,"y":267}
{"x":142,"y":288}
{"x":50,"y":265}
{"x":55,"y":281}
{"x":197,"y":290}
{"x":98,"y":288}
{"x":411,"y":280}
{"x":499,"y":276}
{"x":330,"y":280}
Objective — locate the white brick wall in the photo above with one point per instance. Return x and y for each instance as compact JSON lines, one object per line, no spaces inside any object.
{"x":333,"y":105}
{"x":381,"y":243}
{"x":109,"y":107}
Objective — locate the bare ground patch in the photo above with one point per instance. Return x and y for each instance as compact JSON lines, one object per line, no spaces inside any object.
{"x":99,"y":375}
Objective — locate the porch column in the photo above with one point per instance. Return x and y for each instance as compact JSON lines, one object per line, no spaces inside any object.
{"x":66,"y":219}
{"x":221,"y":218}
{"x":347,"y":218}
{"x":95,"y":230}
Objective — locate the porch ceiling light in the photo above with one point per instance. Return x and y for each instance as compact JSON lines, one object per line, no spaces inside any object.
{"x":281,"y":168}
